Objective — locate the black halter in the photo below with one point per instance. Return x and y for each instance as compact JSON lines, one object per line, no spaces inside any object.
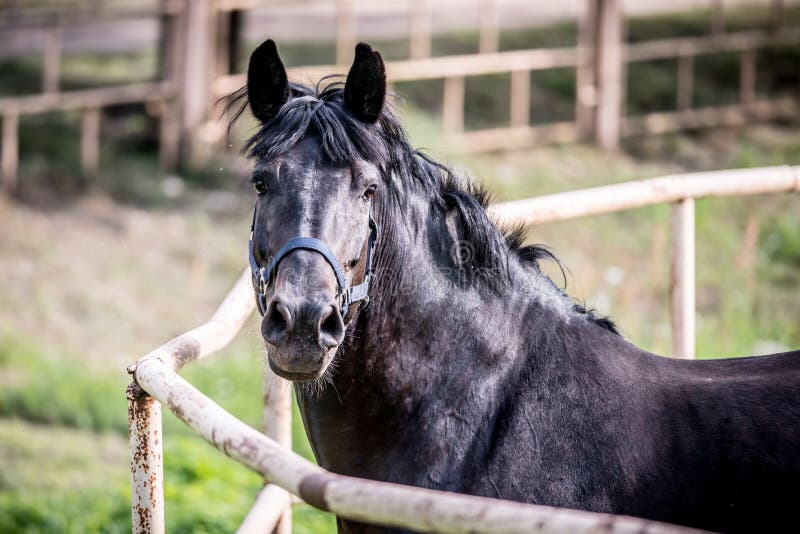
{"x":348,"y":295}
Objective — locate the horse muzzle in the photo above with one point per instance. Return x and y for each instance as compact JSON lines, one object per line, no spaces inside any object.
{"x":302,"y":336}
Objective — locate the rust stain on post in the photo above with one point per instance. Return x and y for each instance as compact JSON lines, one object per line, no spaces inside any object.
{"x":147,"y":489}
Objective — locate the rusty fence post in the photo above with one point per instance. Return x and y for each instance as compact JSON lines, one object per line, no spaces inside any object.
{"x":147,"y":462}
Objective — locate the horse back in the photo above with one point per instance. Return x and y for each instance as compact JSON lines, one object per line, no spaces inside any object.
{"x":729,"y":441}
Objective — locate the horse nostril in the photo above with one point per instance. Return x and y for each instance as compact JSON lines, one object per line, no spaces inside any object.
{"x":277,"y":322}
{"x":331,"y":328}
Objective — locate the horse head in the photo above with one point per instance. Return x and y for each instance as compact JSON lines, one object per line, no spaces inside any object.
{"x":313,"y":233}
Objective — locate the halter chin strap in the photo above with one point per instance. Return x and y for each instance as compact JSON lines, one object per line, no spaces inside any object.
{"x":347,"y":295}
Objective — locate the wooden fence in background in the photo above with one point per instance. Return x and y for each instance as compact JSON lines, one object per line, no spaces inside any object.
{"x":599,"y":59}
{"x":200,"y":43}
{"x":286,"y":474}
{"x":161,"y":96}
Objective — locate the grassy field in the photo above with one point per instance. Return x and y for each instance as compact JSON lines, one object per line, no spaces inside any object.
{"x":96,"y":273}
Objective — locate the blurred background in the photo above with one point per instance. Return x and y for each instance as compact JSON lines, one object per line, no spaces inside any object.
{"x":125,"y":207}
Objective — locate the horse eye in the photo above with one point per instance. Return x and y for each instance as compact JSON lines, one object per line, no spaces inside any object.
{"x":260,"y":186}
{"x":370,"y":192}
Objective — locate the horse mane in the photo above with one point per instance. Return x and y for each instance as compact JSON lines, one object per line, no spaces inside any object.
{"x":321,"y":110}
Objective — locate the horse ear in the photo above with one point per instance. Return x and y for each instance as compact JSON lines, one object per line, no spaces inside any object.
{"x":267,"y":84}
{"x":365,"y":90}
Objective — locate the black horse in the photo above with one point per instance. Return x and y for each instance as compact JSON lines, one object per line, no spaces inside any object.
{"x":469,"y":370}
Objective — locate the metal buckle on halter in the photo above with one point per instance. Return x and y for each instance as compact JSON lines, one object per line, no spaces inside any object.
{"x":260,"y":287}
{"x":259,"y":283}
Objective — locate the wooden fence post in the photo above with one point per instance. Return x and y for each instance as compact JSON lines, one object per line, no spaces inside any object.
{"x":172,"y":41}
{"x":453,"y":104}
{"x":682,"y":278}
{"x":278,"y":426}
{"x":90,"y":141}
{"x":585,"y":73}
{"x":10,"y":156}
{"x":609,"y":73}
{"x":198,"y":43}
{"x":419,"y":39}
{"x":169,"y":135}
{"x":520,"y":99}
{"x":345,"y":31}
{"x":488,"y":26}
{"x":777,"y":13}
{"x":229,"y":29}
{"x":147,"y":462}
{"x":235,"y":32}
{"x":685,"y":94}
{"x":747,"y":78}
{"x":717,"y":22}
{"x":51,"y":61}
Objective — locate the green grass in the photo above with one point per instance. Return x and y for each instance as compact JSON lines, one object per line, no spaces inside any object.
{"x":62,"y":480}
{"x":56,"y":479}
{"x":48,"y":388}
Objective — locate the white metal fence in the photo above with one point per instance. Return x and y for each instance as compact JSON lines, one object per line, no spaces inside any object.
{"x":156,"y":381}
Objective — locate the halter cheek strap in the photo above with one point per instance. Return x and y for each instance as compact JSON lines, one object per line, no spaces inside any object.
{"x":347,"y":295}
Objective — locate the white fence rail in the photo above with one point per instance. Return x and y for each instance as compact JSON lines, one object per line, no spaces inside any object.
{"x":156,"y":381}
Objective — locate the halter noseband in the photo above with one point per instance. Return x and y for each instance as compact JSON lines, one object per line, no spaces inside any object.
{"x":348,"y":295}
